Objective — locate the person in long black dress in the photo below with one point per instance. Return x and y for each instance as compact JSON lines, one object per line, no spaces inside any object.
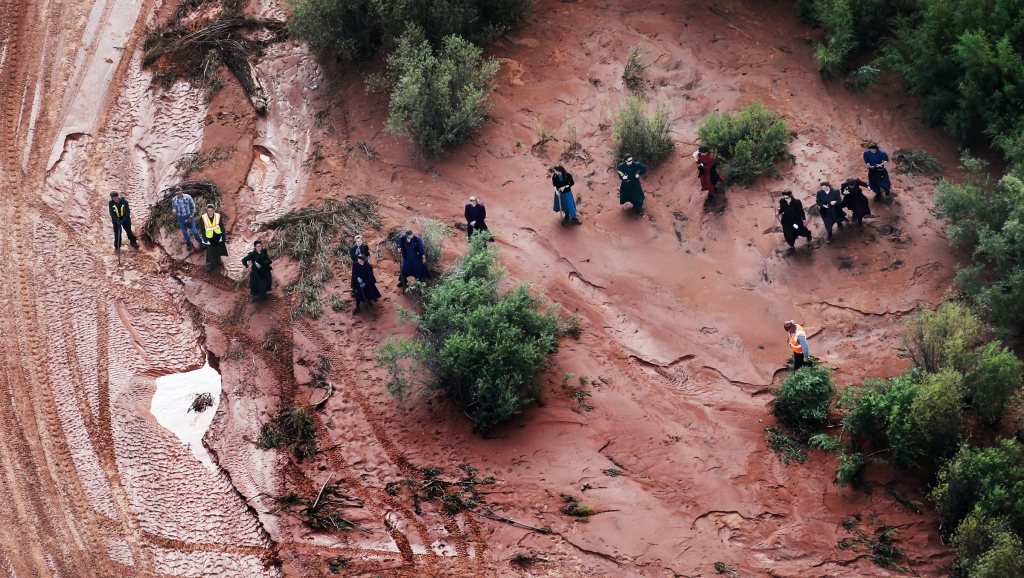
{"x":855,"y":200}
{"x":359,"y":248}
{"x":828,"y":199}
{"x":794,"y":220}
{"x":630,"y":190}
{"x":475,"y":216}
{"x":261,"y":279}
{"x":414,"y":258}
{"x":364,"y":284}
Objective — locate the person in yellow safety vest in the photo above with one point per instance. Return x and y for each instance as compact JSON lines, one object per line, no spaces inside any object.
{"x":121,"y":217}
{"x":798,"y":343}
{"x":213,"y":233}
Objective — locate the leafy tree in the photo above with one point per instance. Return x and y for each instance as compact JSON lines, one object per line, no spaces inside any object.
{"x":944,"y":338}
{"x":477,"y":347}
{"x":747,"y":144}
{"x":805,"y":396}
{"x":994,"y":381}
{"x":986,"y":481}
{"x":850,"y":27}
{"x":936,"y":413}
{"x":440,"y":97}
{"x":882,"y":411}
{"x":356,"y":29}
{"x":645,"y":135}
{"x":987,"y":548}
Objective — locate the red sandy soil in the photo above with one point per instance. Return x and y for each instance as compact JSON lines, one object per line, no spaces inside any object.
{"x":682,"y":310}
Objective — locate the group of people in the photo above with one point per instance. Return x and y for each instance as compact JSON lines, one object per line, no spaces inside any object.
{"x":832,"y":203}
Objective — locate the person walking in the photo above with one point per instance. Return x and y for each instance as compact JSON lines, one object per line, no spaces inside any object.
{"x":213,"y":230}
{"x":828,"y":200}
{"x":475,"y":217}
{"x":261,"y":279}
{"x":793,"y":220}
{"x":878,"y":176}
{"x":414,"y":258}
{"x":565,"y":200}
{"x":184,"y":209}
{"x":855,"y":200}
{"x":798,"y":343}
{"x":121,"y":218}
{"x":364,"y":284}
{"x":359,"y":248}
{"x":630,"y":190}
{"x":706,"y":171}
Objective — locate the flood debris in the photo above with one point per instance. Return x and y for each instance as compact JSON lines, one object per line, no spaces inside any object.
{"x":201,"y":402}
{"x":321,"y":513}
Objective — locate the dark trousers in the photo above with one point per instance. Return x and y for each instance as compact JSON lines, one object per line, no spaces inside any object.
{"x":798,"y":361}
{"x":792,"y":234}
{"x":127,"y":230}
{"x":480,"y":226}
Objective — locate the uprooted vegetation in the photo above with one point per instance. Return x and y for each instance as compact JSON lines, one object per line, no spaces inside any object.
{"x":310,"y":236}
{"x":474,"y":346}
{"x":294,"y":430}
{"x":202,"y":35}
{"x":324,"y":511}
{"x":161,"y":216}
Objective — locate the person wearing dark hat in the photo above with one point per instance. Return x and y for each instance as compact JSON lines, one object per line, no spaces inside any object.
{"x":565,"y":201}
{"x":475,"y":216}
{"x":878,"y":176}
{"x":828,"y":200}
{"x":359,"y":248}
{"x":261,"y":279}
{"x":121,"y":217}
{"x":854,"y":199}
{"x":364,"y":284}
{"x":798,"y":343}
{"x":630,"y":190}
{"x":213,"y":231}
{"x":414,"y":258}
{"x":793,"y":220}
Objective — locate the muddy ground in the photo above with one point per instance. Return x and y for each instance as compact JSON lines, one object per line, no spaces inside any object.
{"x":682,"y":309}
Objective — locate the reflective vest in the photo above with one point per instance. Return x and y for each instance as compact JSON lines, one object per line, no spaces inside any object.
{"x":119,"y":213}
{"x":794,"y":339}
{"x":212,"y":228}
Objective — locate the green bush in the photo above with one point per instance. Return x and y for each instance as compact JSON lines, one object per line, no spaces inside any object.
{"x":944,"y":338}
{"x":747,"y":144}
{"x":480,"y":349}
{"x":881,"y":411}
{"x":987,"y":549}
{"x":994,"y":381}
{"x":986,"y":216}
{"x":850,"y":27}
{"x":440,"y":96}
{"x":805,"y":396}
{"x":836,"y":17}
{"x":646,"y":136}
{"x":356,"y":29}
{"x":937,"y":413}
{"x":862,"y":78}
{"x":986,"y":481}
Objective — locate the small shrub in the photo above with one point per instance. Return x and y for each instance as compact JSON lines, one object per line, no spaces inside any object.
{"x":646,"y":136}
{"x":994,"y":381}
{"x":338,"y":304}
{"x":633,"y":73}
{"x":916,"y":162}
{"x":440,"y":96}
{"x":571,"y":327}
{"x":747,"y":144}
{"x":851,"y":470}
{"x":987,"y":549}
{"x":836,"y":16}
{"x":433,"y":233}
{"x":805,"y":396}
{"x":574,"y":507}
{"x":787,"y":448}
{"x":861,"y":79}
{"x":479,"y":348}
{"x":201,"y":402}
{"x":881,"y":410}
{"x":293,"y":429}
{"x":944,"y":338}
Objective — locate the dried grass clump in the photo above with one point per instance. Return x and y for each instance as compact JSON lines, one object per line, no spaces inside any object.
{"x":293,"y":430}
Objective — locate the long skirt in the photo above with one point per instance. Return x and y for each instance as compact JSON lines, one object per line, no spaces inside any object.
{"x":369,"y":292}
{"x":566,"y":203}
{"x":260,"y":283}
{"x":215,"y":250}
{"x":878,"y":179}
{"x":413,"y":266}
{"x":791,"y":231}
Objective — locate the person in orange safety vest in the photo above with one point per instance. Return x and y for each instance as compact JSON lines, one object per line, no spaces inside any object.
{"x":798,"y":343}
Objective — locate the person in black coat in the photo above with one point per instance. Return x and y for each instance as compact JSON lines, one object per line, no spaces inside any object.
{"x":121,"y":217}
{"x":475,"y":216}
{"x":359,"y":248}
{"x":855,"y":200}
{"x":828,"y":201}
{"x":414,"y":258}
{"x":364,"y":284}
{"x":261,"y":279}
{"x":794,"y":221}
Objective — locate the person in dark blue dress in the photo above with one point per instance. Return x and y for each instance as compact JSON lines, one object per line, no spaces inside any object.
{"x":878,"y":176}
{"x":414,"y":258}
{"x":564,"y":199}
{"x":364,"y":284}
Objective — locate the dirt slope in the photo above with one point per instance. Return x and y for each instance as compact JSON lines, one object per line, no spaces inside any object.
{"x":682,"y":309}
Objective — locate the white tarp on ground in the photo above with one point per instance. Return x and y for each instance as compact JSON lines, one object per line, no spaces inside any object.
{"x":171,"y":403}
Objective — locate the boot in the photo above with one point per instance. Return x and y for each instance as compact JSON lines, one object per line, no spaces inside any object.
{"x":577,"y":221}
{"x":356,"y":310}
{"x":209,"y":267}
{"x":190,"y":246}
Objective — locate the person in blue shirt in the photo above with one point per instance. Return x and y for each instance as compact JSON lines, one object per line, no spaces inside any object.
{"x":878,"y":176}
{"x":414,"y":258}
